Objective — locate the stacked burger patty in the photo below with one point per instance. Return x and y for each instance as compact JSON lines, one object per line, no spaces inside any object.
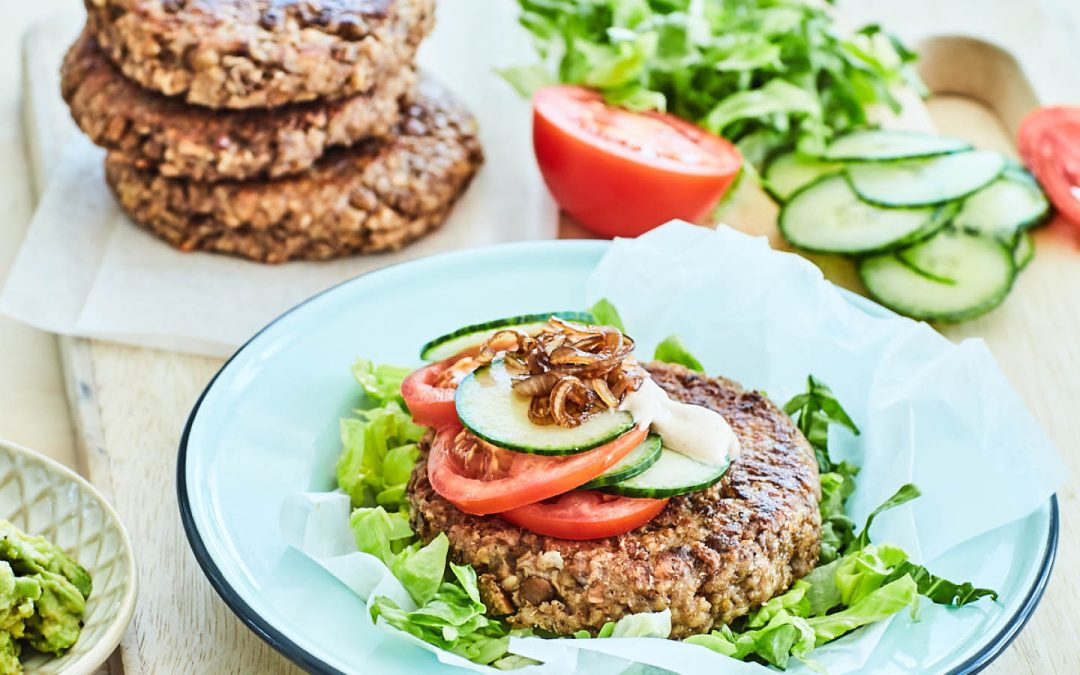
{"x":271,"y":129}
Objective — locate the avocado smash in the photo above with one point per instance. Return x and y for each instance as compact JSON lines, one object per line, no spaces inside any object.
{"x":43,"y":596}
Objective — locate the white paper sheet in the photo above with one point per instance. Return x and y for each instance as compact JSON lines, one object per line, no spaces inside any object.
{"x":938,"y":414}
{"x":85,"y":270}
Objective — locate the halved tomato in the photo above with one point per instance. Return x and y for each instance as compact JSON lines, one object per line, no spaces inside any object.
{"x":1050,"y":146}
{"x":429,"y":391}
{"x":621,"y":173}
{"x":480,"y":478}
{"x":585,"y":514}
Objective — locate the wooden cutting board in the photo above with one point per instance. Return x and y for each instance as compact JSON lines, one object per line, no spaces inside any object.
{"x":130,"y":404}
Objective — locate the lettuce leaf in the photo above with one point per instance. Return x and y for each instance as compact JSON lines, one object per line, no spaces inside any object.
{"x":379,"y":451}
{"x":380,"y":533}
{"x":784,"y":636}
{"x":876,"y":606}
{"x":453,"y":618}
{"x":381,"y":383}
{"x":672,"y":350}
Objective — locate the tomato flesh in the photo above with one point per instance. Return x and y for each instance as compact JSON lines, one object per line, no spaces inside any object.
{"x":1050,"y":146}
{"x":622,"y":173}
{"x":480,"y":478}
{"x":429,"y":399}
{"x":585,"y":514}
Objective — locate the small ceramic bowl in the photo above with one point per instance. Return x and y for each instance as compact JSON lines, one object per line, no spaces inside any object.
{"x":43,"y":497}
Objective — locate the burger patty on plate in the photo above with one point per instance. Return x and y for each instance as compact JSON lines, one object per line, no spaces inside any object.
{"x":709,"y":557}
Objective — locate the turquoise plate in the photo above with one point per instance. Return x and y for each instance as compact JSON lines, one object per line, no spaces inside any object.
{"x":267,"y":427}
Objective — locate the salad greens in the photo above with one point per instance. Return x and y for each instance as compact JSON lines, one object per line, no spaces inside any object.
{"x":762,"y":73}
{"x":856,"y":582}
{"x":379,"y":452}
{"x":379,"y":443}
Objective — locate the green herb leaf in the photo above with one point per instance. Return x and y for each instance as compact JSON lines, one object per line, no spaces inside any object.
{"x":605,"y":314}
{"x":672,"y":350}
{"x":905,"y":494}
{"x":814,"y":411}
{"x":939,"y":590}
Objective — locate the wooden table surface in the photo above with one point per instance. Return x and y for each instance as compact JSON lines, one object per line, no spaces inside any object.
{"x":131,"y":403}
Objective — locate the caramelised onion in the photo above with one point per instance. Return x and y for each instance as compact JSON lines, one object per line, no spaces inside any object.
{"x":536,"y":385}
{"x":570,"y":370}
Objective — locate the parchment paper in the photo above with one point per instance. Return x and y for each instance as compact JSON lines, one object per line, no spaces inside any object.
{"x":83,"y":269}
{"x":938,"y":414}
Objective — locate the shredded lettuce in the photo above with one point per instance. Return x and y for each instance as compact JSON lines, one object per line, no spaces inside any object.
{"x":856,"y":582}
{"x":672,"y":350}
{"x":453,"y":618}
{"x":379,"y":443}
{"x":762,"y":73}
{"x":381,"y":382}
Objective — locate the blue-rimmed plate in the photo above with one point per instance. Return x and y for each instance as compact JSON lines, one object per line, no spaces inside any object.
{"x":267,"y":427}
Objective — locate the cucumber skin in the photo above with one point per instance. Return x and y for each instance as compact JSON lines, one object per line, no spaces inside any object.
{"x":948,"y":317}
{"x":663,"y":493}
{"x":855,"y":159}
{"x":550,"y":452}
{"x":508,"y":322}
{"x":1024,"y":261}
{"x":629,"y":472}
{"x":1020,"y":173}
{"x":957,"y":200}
{"x":936,"y":222}
{"x":767,"y":187}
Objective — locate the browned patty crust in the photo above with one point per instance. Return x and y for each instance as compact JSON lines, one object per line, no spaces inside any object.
{"x":180,"y":140}
{"x":260,"y":53}
{"x":377,"y":196}
{"x":709,"y":557}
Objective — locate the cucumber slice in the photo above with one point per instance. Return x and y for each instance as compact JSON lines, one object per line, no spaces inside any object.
{"x":673,"y":474}
{"x":472,"y":336}
{"x":489,"y":408}
{"x":638,"y":461}
{"x":981,"y":270}
{"x":877,"y":145}
{"x":827,"y":217}
{"x":787,"y":172}
{"x":925,"y":182}
{"x":1010,"y":204}
{"x":1024,"y":251}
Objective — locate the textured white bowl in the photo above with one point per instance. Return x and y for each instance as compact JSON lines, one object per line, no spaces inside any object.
{"x":43,"y":497}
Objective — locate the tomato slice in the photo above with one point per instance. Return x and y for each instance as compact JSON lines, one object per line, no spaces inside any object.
{"x":480,"y":478}
{"x":585,"y":514}
{"x":622,"y":173}
{"x":1050,"y":146}
{"x":429,"y":391}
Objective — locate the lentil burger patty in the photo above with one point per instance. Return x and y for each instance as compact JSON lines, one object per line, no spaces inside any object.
{"x":181,"y":140}
{"x":710,"y":556}
{"x":376,"y":196}
{"x":259,"y":53}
